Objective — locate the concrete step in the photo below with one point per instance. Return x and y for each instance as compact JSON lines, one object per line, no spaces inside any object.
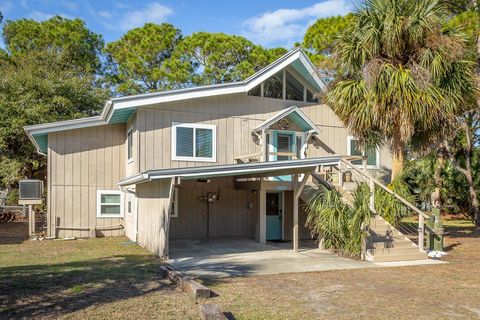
{"x":391,"y":257}
{"x":385,"y":233}
{"x":395,"y":250}
{"x":392,"y":244}
{"x":380,"y":238}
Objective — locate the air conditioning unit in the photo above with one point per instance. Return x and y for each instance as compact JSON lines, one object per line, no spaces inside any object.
{"x":30,"y":191}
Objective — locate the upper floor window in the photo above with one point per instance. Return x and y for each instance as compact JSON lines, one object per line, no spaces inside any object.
{"x":294,"y":88}
{"x":193,"y":142}
{"x":255,"y":91}
{"x":273,"y":86}
{"x":130,"y":144}
{"x":354,"y":149}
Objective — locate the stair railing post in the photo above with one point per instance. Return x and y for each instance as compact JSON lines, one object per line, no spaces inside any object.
{"x":421,"y":232}
{"x":372,"y":196}
{"x":340,"y":173}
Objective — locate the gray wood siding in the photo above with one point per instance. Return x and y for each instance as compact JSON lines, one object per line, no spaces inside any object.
{"x":230,"y":216}
{"x":81,"y":162}
{"x":153,"y":203}
{"x":304,"y":232}
{"x":234,"y":116}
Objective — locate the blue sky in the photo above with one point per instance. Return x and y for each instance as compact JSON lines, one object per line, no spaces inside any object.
{"x":267,"y":22}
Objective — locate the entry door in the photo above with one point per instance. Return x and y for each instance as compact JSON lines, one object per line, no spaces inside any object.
{"x":284,"y":142}
{"x":274,"y":216}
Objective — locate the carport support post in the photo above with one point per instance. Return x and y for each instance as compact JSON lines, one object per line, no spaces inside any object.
{"x":262,"y":198}
{"x":297,"y":190}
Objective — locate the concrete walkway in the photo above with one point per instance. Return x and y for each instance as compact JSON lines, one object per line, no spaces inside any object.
{"x":229,"y":257}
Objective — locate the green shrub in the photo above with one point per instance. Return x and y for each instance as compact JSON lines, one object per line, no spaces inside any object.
{"x":338,"y":224}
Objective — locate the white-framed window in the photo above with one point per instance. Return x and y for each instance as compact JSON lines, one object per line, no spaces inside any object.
{"x":109,"y":204}
{"x":174,"y":209}
{"x":194,"y":142}
{"x":130,"y":144}
{"x":354,"y":149}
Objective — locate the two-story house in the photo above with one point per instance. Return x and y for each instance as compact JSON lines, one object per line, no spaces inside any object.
{"x":225,"y":160}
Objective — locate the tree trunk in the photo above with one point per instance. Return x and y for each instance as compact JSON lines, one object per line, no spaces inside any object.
{"x":438,"y":177}
{"x":398,"y":158}
{"x":468,"y":171}
{"x":469,"y":175}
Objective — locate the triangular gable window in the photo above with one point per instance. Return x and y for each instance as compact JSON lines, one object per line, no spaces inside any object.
{"x":294,"y":88}
{"x":273,"y":86}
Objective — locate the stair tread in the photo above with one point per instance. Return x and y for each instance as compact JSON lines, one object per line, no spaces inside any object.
{"x":400,"y":257}
{"x":394,"y":250}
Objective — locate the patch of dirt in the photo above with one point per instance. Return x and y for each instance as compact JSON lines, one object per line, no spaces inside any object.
{"x":413,"y":292}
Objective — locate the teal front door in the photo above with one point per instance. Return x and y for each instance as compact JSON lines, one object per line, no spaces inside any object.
{"x":274,"y":216}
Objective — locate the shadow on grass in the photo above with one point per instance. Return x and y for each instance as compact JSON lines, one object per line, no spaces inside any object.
{"x":52,"y":290}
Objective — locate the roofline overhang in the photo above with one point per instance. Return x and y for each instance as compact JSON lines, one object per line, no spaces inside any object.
{"x":175,"y":95}
{"x":228,"y":170}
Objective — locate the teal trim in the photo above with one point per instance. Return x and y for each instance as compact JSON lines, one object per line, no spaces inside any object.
{"x":295,"y":117}
{"x":118,"y":116}
{"x":292,"y":148}
{"x":42,"y":141}
{"x":300,"y":68}
{"x":121,"y":115}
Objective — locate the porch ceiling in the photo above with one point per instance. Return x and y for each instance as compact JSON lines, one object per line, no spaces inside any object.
{"x":260,"y":169}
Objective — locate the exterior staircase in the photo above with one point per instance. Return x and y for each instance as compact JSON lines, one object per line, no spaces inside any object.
{"x":384,"y":243}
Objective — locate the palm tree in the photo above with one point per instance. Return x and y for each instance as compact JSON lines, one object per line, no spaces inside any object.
{"x":402,"y":73}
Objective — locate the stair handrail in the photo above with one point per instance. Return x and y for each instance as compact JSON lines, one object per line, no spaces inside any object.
{"x":393,"y":193}
{"x":421,"y":215}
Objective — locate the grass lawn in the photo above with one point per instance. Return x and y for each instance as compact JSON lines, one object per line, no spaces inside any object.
{"x":109,"y":278}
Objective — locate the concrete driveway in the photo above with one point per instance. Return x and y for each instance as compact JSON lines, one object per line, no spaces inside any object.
{"x":228,"y":257}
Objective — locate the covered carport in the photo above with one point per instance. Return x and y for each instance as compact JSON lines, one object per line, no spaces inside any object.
{"x":251,"y":182}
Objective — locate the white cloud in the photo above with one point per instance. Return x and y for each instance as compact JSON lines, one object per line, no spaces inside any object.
{"x":285,"y":26}
{"x":105,"y":14}
{"x":70,"y":5}
{"x":127,"y":19}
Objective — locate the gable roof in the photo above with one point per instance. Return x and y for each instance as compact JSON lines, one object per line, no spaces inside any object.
{"x":119,"y":110}
{"x":295,"y":115}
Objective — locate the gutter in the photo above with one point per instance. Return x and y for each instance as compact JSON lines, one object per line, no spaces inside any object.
{"x":226,"y":170}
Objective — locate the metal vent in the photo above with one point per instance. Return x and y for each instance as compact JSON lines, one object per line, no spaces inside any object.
{"x":30,"y":189}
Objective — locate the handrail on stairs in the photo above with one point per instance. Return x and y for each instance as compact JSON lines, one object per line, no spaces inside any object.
{"x":372,"y":182}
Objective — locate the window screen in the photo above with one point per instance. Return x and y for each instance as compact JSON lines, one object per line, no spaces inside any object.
{"x":194,"y":142}
{"x":184,"y":142}
{"x":203,"y":143}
